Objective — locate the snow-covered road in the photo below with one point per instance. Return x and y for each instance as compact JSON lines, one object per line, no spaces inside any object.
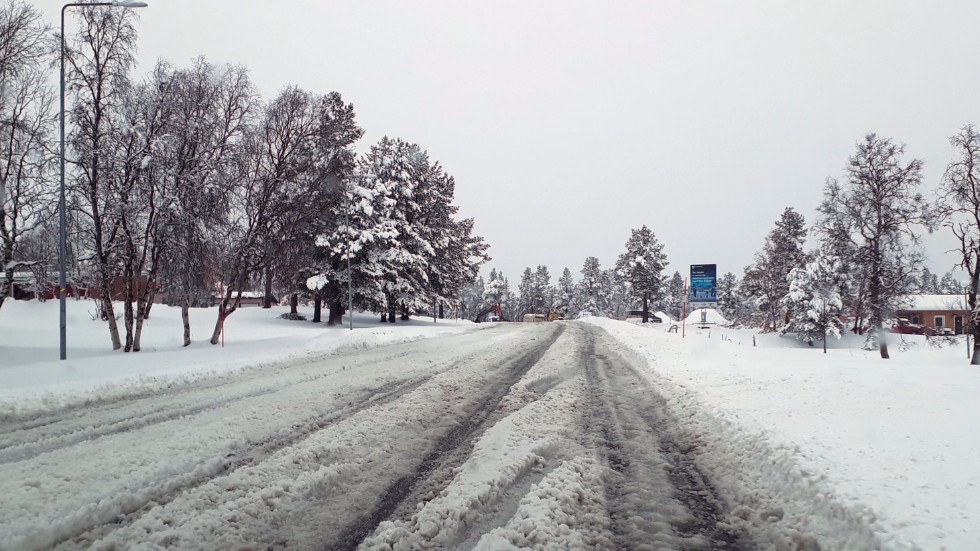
{"x":544,"y":436}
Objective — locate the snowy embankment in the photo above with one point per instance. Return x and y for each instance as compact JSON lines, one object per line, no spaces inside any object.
{"x":843,"y":436}
{"x":32,"y":377}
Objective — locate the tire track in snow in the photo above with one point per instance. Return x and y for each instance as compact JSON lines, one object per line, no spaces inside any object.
{"x":49,"y":433}
{"x":12,"y":423}
{"x":112,"y":512}
{"x":450,"y":451}
{"x":253,"y":454}
{"x":655,"y":493}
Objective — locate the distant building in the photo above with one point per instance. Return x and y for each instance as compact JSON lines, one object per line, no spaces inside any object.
{"x":937,"y":311}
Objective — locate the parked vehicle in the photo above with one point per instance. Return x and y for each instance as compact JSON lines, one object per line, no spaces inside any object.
{"x":638,"y":315}
{"x":905,"y":327}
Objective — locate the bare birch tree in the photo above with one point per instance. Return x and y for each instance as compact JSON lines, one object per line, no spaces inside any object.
{"x":26,"y":119}
{"x":99,"y":59}
{"x":959,"y":205}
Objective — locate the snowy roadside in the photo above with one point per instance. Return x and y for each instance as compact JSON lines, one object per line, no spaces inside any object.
{"x":33,"y":379}
{"x":841,"y":438}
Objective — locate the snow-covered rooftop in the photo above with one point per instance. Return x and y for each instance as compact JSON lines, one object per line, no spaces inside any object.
{"x":927,"y":303}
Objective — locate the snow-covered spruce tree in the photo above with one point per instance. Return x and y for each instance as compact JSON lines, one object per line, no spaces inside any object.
{"x":542,"y":292}
{"x":641,"y":267}
{"x":676,"y":296}
{"x":471,"y":298}
{"x":959,"y":204}
{"x":928,"y":283}
{"x":324,"y":214}
{"x":495,"y":288}
{"x":879,"y":205}
{"x":453,"y":253}
{"x":815,"y":297}
{"x":616,"y":296}
{"x":949,"y":285}
{"x":98,"y":60}
{"x":408,"y":249}
{"x":564,"y":293}
{"x":729,"y":301}
{"x":27,"y":173}
{"x":591,"y":285}
{"x":766,"y":279}
{"x":835,"y":238}
{"x":525,"y":294}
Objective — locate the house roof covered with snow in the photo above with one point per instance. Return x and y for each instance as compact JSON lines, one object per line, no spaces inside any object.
{"x":932,"y":303}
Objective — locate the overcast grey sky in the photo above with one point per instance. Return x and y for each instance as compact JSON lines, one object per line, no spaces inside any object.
{"x":568,"y":123}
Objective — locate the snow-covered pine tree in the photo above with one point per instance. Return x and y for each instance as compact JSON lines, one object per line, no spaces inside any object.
{"x":616,"y":295}
{"x":929,"y":283}
{"x":815,"y":297}
{"x":591,"y":284}
{"x":766,"y":279}
{"x":949,"y":285}
{"x":543,"y":293}
{"x":729,"y":301}
{"x":525,"y":294}
{"x":676,"y":295}
{"x":641,"y":267}
{"x":564,"y":293}
{"x":877,"y":206}
{"x":471,"y":298}
{"x":454,"y":254}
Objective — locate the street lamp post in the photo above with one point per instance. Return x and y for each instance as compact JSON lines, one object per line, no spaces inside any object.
{"x":62,"y":230}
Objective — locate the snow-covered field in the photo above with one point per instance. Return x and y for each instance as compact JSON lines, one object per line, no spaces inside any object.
{"x":29,"y":344}
{"x":842,"y":449}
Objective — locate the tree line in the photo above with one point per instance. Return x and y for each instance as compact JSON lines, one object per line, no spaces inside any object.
{"x":186,"y":182}
{"x":867,"y":262}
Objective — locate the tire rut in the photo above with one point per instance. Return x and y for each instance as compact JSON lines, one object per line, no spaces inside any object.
{"x":652,"y":475}
{"x":450,"y":451}
{"x":24,"y":442}
{"x":252,"y":454}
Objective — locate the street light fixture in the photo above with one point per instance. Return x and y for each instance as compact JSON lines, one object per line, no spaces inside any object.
{"x":63,"y":249}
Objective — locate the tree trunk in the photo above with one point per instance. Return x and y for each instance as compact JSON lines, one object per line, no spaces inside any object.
{"x":336,"y":314}
{"x":128,"y":309}
{"x":404,"y":312}
{"x":646,"y":307}
{"x":140,"y":317}
{"x":442,"y":314}
{"x":293,"y":303}
{"x":109,"y":312}
{"x":392,"y":309}
{"x":384,"y":317}
{"x":971,"y":301}
{"x":150,"y":297}
{"x":267,"y":301}
{"x":317,"y":301}
{"x":225,"y":309}
{"x":186,"y":319}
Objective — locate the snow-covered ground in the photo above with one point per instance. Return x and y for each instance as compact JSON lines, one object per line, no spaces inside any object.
{"x":843,"y":448}
{"x":897,"y":438}
{"x":30,"y":371}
